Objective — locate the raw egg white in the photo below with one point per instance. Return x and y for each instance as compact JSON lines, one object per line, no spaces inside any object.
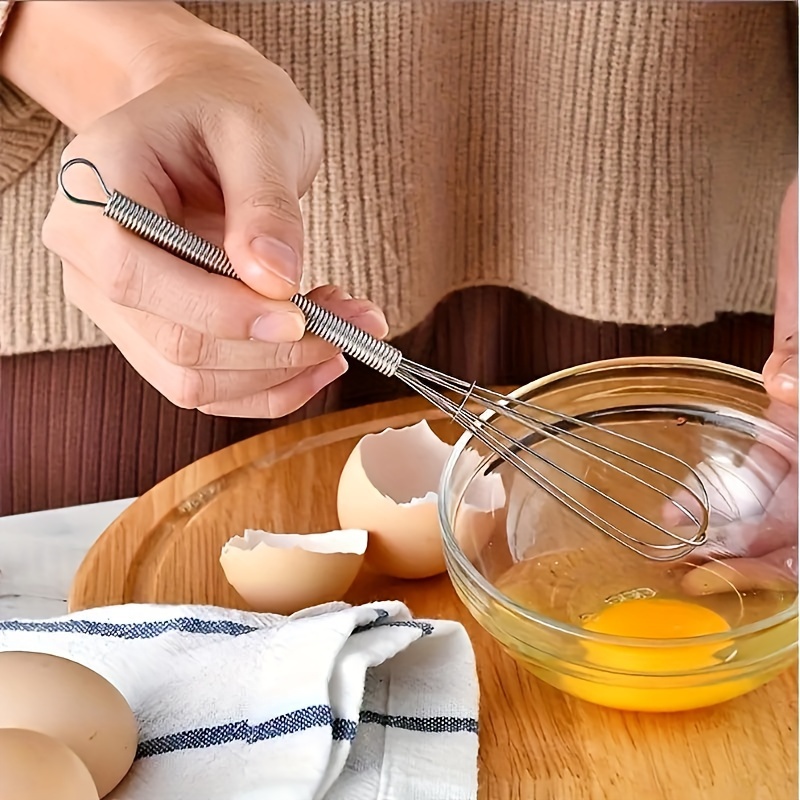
{"x":282,"y":573}
{"x":389,"y":487}
{"x":69,"y":702}
{"x":37,"y":767}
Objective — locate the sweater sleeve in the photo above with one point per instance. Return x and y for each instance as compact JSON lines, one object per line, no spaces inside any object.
{"x":26,"y":128}
{"x":5,"y":10}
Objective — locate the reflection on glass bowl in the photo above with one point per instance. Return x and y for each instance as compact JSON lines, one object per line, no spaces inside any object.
{"x":598,"y":620}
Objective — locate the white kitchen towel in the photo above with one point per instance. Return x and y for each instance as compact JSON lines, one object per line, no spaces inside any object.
{"x":336,"y":702}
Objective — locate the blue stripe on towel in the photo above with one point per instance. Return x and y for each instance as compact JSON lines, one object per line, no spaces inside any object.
{"x":421,"y":724}
{"x":295,"y":722}
{"x":150,"y":630}
{"x":242,"y":731}
{"x":382,"y":620}
{"x":381,"y":615}
{"x":132,"y":630}
{"x":425,"y":627}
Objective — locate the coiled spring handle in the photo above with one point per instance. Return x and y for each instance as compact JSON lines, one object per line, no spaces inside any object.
{"x":190,"y":247}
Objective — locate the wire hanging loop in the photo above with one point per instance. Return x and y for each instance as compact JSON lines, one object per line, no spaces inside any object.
{"x":82,"y":200}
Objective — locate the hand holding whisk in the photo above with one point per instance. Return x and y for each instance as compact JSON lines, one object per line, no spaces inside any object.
{"x":643,"y":477}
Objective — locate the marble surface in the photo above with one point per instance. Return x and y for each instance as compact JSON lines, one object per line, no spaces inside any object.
{"x":40,"y":552}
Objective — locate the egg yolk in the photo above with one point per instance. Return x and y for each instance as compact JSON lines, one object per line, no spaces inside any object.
{"x":656,"y":618}
{"x":647,"y":684}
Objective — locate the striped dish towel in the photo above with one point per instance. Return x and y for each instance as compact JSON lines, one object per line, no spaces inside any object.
{"x":336,"y":702}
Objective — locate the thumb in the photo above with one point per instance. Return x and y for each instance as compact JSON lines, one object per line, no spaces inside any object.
{"x":780,"y":371}
{"x":780,"y":374}
{"x":263,"y":221}
{"x":776,"y":572}
{"x":786,"y":267}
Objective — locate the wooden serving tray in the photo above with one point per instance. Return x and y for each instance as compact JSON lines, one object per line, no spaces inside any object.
{"x":536,"y":743}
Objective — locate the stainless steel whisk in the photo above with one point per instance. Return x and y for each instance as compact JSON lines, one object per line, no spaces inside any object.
{"x":642,"y":479}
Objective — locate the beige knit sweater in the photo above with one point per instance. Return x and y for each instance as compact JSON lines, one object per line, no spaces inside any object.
{"x":622,"y":161}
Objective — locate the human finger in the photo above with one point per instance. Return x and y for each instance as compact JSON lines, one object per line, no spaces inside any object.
{"x":259,"y":174}
{"x":780,"y":370}
{"x":187,"y":347}
{"x":786,"y":269}
{"x":361,"y":312}
{"x":137,"y":274}
{"x":183,"y":386}
{"x":780,"y":373}
{"x":734,"y":491}
{"x":774,"y":572}
{"x":283,"y":399}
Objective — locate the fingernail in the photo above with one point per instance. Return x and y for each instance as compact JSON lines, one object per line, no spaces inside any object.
{"x":277,"y":257}
{"x":278,"y":326}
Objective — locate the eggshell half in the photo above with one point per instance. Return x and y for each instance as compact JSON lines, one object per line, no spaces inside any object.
{"x":389,"y":487}
{"x":69,"y":702}
{"x":282,"y":573}
{"x":37,"y":767}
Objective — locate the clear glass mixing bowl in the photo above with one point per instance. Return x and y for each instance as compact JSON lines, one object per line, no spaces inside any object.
{"x":601,"y":622}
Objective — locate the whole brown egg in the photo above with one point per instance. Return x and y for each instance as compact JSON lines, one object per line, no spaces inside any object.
{"x":37,"y":767}
{"x":71,"y":703}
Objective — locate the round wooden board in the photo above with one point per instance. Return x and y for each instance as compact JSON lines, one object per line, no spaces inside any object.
{"x":536,"y":743}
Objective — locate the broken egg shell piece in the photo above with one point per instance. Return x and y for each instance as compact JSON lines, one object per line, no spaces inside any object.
{"x":283,"y":573}
{"x":344,"y":541}
{"x":389,"y":486}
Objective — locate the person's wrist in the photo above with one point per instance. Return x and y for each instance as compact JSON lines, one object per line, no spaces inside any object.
{"x":191,"y":48}
{"x":83,"y":59}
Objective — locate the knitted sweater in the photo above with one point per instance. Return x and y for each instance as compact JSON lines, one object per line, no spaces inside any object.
{"x":622,"y":161}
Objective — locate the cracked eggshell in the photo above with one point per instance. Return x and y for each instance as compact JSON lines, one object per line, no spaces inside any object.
{"x":389,"y":486}
{"x":282,"y":573}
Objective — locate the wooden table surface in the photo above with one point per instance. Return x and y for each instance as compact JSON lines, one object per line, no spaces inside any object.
{"x":536,"y":743}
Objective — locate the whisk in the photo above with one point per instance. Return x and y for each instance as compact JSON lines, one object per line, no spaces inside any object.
{"x":652,"y":480}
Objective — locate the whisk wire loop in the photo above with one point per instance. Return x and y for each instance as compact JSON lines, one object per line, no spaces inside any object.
{"x":544,"y":423}
{"x":508,"y":448}
{"x":508,"y":407}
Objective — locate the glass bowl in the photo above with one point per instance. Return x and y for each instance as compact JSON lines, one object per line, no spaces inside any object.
{"x":599,"y":621}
